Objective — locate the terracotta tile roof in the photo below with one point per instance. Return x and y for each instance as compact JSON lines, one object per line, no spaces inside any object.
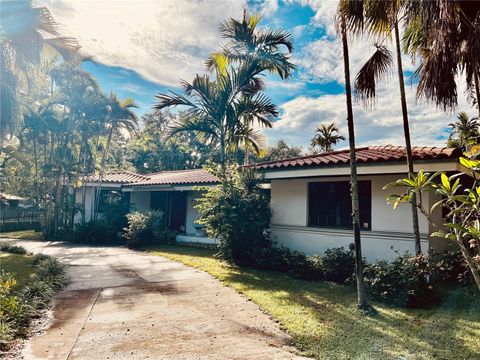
{"x":178,"y":177}
{"x":371,"y":154}
{"x":118,"y":177}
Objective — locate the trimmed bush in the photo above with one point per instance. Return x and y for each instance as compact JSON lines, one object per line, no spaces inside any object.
{"x":338,"y":264}
{"x":20,"y":226}
{"x":450,"y":268}
{"x":7,"y":246}
{"x":147,"y":228}
{"x":403,"y":282}
{"x":93,"y":232}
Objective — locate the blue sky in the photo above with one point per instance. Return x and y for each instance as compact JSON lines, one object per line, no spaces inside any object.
{"x":145,"y":47}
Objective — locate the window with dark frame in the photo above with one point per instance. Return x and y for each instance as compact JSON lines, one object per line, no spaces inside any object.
{"x":330,"y":204}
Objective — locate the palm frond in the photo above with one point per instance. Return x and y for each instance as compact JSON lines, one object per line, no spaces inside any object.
{"x":375,"y":67}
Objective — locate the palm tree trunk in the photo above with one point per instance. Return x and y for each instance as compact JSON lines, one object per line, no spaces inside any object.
{"x":35,"y":160}
{"x":101,"y":174}
{"x":361,"y":295}
{"x":408,"y":145}
{"x":477,"y":87}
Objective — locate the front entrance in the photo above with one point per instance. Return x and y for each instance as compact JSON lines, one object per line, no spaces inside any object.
{"x":174,"y":206}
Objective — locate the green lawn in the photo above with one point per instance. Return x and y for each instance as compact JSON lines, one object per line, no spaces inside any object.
{"x":19,"y":266}
{"x":323,"y":322}
{"x":22,"y":235}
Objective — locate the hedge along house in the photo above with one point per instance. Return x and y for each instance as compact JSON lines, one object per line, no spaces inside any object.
{"x":172,"y":192}
{"x":311,"y":202}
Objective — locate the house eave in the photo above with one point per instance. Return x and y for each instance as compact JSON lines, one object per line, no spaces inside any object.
{"x":362,"y":169}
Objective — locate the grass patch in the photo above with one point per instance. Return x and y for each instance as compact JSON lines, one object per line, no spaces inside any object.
{"x":323,"y":321}
{"x":22,"y":235}
{"x":19,"y":266}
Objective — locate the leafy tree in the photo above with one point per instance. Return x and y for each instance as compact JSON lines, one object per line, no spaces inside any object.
{"x":382,"y":19}
{"x":281,"y":150}
{"x":153,"y":149}
{"x":237,"y":212}
{"x":326,"y":137}
{"x":461,"y":223}
{"x":464,"y":132}
{"x":361,"y":295}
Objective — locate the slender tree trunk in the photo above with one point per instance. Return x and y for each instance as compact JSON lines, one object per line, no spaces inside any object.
{"x":101,"y":174}
{"x":408,"y":145}
{"x":361,"y":295}
{"x":35,"y":160}
{"x":476,"y":79}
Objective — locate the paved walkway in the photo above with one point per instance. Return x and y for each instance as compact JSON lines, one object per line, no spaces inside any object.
{"x":122,"y":304}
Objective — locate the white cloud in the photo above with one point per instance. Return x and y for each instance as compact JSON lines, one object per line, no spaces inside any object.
{"x":164,"y":41}
{"x":379,"y":125}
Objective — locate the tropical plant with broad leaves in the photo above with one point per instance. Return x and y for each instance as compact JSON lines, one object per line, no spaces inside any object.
{"x":461,"y":224}
{"x":268,"y":49}
{"x":326,"y":137}
{"x":214,"y":109}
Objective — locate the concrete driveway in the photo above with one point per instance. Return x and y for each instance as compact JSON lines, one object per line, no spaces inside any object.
{"x":123,"y":304}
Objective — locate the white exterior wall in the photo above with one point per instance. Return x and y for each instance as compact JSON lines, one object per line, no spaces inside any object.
{"x":390,"y":228}
{"x":192,"y":213}
{"x":89,"y":203}
{"x":139,"y":200}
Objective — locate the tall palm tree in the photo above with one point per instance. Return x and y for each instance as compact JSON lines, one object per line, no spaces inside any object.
{"x":466,"y":131}
{"x":215,"y":108}
{"x":269,"y":49}
{"x":28,"y":34}
{"x":361,"y":294}
{"x":326,"y":137}
{"x":120,"y":119}
{"x":381,"y":18}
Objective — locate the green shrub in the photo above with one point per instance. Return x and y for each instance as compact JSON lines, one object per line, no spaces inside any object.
{"x":18,"y":309}
{"x":7,"y":246}
{"x":145,"y":228}
{"x":450,"y":268}
{"x":93,"y":232}
{"x":402,"y":282}
{"x":236,"y":212}
{"x":338,"y":264}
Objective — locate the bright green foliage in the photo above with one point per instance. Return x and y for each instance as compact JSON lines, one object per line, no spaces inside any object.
{"x":237,"y":212}
{"x":461,"y":224}
{"x":147,"y":228}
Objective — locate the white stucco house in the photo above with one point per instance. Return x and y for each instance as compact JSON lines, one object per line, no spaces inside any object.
{"x":310,"y":199}
{"x":170,"y":191}
{"x":311,"y":203}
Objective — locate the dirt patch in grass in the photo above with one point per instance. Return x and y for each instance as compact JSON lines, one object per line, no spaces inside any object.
{"x":323,"y":322}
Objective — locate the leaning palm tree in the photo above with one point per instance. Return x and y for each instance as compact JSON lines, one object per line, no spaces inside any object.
{"x":361,"y":294}
{"x":326,"y":137}
{"x":381,"y":18}
{"x":466,"y":130}
{"x":215,"y":108}
{"x":269,"y":49}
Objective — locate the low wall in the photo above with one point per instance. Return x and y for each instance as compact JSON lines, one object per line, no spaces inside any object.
{"x":375,"y":245}
{"x":195,"y":239}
